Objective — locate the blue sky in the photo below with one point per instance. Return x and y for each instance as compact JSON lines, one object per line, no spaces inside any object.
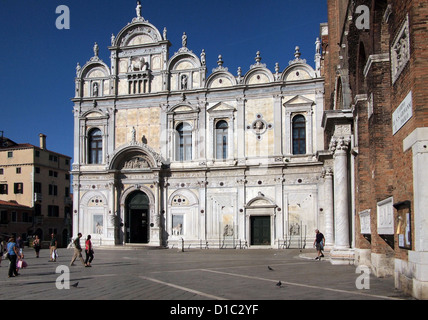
{"x":38,"y":61}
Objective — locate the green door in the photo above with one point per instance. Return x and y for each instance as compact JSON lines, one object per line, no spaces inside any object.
{"x":260,"y":230}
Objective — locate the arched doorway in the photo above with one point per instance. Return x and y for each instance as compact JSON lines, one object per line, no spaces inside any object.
{"x":137,"y":218}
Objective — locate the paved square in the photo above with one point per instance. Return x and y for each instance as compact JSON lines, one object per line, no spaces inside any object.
{"x":169,"y":274}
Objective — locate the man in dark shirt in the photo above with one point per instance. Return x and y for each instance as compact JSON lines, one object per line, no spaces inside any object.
{"x":319,"y":244}
{"x":77,"y":250}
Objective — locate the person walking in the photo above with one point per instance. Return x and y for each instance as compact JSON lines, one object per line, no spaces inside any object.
{"x":13,"y":253}
{"x":20,"y":246}
{"x":52,"y":248}
{"x":89,"y":251}
{"x":319,"y":244}
{"x":77,"y":250}
{"x":37,"y":245}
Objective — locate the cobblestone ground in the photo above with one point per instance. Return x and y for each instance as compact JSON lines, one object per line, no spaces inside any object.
{"x":169,"y":274}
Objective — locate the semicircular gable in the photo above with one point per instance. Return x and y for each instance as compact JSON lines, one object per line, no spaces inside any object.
{"x":137,"y":33}
{"x":137,"y":156}
{"x":184,"y":61}
{"x":258,"y":76}
{"x":298,"y":72}
{"x":220,"y":80}
{"x":93,"y":69}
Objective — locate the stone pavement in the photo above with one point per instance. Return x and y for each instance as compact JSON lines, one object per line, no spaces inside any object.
{"x":169,"y":274}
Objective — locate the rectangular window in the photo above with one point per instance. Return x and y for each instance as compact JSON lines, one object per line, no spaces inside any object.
{"x":37,"y":187}
{"x":10,"y":154}
{"x":53,"y":190}
{"x":18,"y":188}
{"x":14,"y":216}
{"x":3,"y":188}
{"x":53,"y":211}
{"x":26,"y":217}
{"x":18,"y":170}
{"x":3,"y":217}
{"x":1,"y":171}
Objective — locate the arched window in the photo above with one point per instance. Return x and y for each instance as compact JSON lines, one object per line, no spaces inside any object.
{"x":184,"y":152}
{"x":299,"y":135}
{"x":221,"y":134}
{"x":95,"y":146}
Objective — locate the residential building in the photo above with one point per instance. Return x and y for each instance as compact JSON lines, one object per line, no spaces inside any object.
{"x":37,"y":178}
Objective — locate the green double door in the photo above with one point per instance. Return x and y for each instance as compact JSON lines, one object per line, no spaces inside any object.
{"x":260,"y":230}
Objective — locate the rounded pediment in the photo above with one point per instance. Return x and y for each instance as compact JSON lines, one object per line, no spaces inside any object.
{"x":94,"y":70}
{"x":298,"y":72}
{"x":135,"y":157}
{"x":184,"y":60}
{"x":221,"y":79}
{"x":137,"y":34}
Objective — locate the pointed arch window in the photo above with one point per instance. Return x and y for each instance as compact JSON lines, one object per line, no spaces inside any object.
{"x":184,"y":152}
{"x":299,"y":135}
{"x":95,"y":146}
{"x":221,"y":139}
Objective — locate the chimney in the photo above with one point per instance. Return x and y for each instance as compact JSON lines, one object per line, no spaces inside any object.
{"x":42,"y":141}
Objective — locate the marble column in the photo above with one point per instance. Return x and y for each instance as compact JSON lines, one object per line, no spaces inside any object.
{"x":341,"y":195}
{"x":328,"y":207}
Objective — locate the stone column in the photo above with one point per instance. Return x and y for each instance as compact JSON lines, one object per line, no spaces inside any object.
{"x":417,"y":264}
{"x":328,"y":207}
{"x":341,"y":252}
{"x":341,"y":201}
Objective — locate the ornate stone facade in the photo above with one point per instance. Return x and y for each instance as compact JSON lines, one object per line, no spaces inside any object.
{"x":171,"y":154}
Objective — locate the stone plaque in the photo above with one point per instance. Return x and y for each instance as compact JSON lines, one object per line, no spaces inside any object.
{"x":365,"y":222}
{"x":385,"y":217}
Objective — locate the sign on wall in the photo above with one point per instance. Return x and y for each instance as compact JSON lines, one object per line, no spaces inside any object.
{"x":402,"y":114}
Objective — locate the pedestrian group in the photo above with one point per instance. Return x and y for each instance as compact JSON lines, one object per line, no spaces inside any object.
{"x":13,"y":251}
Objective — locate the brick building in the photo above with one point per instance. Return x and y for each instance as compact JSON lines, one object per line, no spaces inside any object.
{"x":376,"y":68}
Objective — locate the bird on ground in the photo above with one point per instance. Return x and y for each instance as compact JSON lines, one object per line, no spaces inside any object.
{"x":75,"y":285}
{"x":279,"y":284}
{"x":270,"y":268}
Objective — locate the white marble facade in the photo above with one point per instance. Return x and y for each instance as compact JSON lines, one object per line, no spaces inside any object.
{"x":165,"y":152}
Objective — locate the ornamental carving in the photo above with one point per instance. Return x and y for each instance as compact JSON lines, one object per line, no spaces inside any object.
{"x":339,"y":144}
{"x":400,"y":51}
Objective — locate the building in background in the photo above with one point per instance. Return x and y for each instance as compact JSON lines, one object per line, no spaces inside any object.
{"x":35,"y":181}
{"x":166,"y":152}
{"x":376,"y":70}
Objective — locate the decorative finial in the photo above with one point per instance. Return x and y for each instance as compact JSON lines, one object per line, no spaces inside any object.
{"x":138,"y":9}
{"x":220,"y":61}
{"x":297,"y":53}
{"x":258,"y":57}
